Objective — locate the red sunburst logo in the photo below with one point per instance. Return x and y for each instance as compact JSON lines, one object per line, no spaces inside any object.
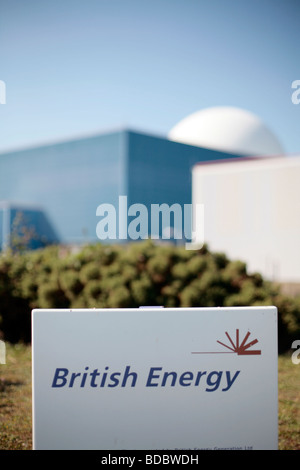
{"x":242,"y":348}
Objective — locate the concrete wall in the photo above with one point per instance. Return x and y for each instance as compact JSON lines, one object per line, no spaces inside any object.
{"x":252,"y":212}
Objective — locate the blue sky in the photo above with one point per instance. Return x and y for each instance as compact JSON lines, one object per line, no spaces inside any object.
{"x":77,"y":67}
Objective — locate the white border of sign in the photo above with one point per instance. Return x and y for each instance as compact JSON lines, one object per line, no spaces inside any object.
{"x":186,"y":378}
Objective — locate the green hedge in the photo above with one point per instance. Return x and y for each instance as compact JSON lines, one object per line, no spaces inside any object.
{"x":129,"y":276}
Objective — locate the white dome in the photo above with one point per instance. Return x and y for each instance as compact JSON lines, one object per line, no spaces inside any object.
{"x":227,"y":129}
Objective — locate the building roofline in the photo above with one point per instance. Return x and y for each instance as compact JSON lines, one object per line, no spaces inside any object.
{"x":240,"y":159}
{"x":13,"y":204}
{"x":63,"y":140}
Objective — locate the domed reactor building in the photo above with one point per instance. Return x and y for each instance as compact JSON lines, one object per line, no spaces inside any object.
{"x":227,"y":129}
{"x":251,"y":203}
{"x":123,"y":186}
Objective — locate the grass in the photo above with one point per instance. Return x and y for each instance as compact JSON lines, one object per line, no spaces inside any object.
{"x":289,"y":404}
{"x":15,"y":401}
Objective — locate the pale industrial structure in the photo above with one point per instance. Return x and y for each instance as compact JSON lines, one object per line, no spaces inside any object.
{"x":252,"y":203}
{"x":224,"y":158}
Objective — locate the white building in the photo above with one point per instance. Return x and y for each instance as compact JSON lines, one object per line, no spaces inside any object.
{"x":251,"y":204}
{"x":252,"y":212}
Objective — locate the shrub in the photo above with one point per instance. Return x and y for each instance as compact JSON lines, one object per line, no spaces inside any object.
{"x":129,"y":276}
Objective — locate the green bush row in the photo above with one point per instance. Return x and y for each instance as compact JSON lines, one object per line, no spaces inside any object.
{"x":131,"y":275}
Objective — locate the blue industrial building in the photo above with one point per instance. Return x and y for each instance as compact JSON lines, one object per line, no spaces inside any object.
{"x":24,"y":227}
{"x":69,"y":180}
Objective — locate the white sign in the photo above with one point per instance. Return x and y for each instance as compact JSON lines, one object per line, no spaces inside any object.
{"x":187,"y":378}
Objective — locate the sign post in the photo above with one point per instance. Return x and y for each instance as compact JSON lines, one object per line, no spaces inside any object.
{"x":182,"y":378}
